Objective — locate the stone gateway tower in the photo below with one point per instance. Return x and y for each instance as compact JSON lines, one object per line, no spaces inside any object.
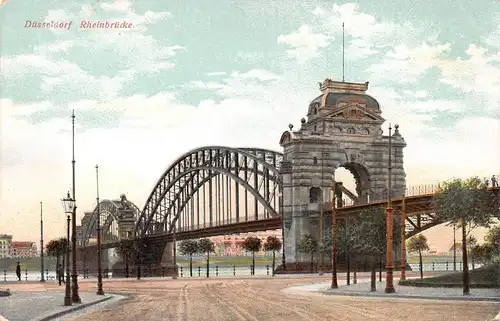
{"x":343,"y":129}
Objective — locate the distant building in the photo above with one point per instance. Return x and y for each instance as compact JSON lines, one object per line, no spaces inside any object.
{"x":458,"y":246}
{"x":227,"y":245}
{"x":79,"y":234}
{"x":23,"y":249}
{"x":5,"y":241}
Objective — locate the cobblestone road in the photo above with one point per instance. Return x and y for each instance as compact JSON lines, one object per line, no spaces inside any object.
{"x":262,"y":300}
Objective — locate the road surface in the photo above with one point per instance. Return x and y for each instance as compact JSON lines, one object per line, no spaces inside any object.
{"x":261,"y":299}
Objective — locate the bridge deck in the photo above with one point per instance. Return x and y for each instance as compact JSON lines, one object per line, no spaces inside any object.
{"x":415,"y":206}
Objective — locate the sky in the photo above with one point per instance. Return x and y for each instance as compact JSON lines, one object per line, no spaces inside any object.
{"x":232,"y":73}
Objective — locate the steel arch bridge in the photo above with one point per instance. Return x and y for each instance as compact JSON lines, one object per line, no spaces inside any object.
{"x":229,"y":173}
{"x":207,"y":187}
{"x":112,"y":212}
{"x":210,"y":186}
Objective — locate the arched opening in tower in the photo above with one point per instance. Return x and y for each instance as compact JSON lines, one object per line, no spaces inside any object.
{"x":355,"y":184}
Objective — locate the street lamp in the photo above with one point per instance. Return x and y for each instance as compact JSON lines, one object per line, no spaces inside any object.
{"x":283,"y":227}
{"x":389,"y":286}
{"x":321,"y":215}
{"x":175,"y":252}
{"x":68,"y":204}
{"x":140,"y":246}
{"x":334,"y":237}
{"x":74,"y":277}
{"x":100,"y":291}
{"x":42,"y":278}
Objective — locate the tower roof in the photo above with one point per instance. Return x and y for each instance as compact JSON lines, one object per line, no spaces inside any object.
{"x":338,"y":94}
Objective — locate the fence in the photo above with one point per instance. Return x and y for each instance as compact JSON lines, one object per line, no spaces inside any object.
{"x":199,"y":271}
{"x":442,"y":266}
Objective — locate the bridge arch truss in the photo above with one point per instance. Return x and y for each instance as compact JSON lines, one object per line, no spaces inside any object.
{"x":112,"y":213}
{"x":212,"y":186}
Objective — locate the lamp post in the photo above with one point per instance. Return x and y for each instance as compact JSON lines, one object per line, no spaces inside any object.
{"x":389,"y":286}
{"x":100,"y":291}
{"x":68,"y":204}
{"x":283,"y":227}
{"x":74,"y":277}
{"x":321,"y":215}
{"x":403,"y":240}
{"x":175,"y":253}
{"x":138,"y":246}
{"x":42,"y":278}
{"x":334,"y":238}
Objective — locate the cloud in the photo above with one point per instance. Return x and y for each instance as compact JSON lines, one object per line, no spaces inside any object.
{"x":56,"y":47}
{"x":466,"y":149}
{"x":17,"y":66}
{"x":141,"y":50}
{"x":64,"y":77}
{"x":134,"y":53}
{"x":216,"y":73}
{"x":305,"y":43}
{"x":241,"y":85}
{"x":138,"y":51}
{"x":477,"y":75}
{"x":259,"y":74}
{"x":415,"y":94}
{"x":117,"y":5}
{"x":493,"y":39}
{"x":159,"y":125}
{"x":406,"y":65}
{"x":365,"y":35}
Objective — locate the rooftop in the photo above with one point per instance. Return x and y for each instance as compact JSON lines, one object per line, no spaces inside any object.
{"x":21,"y":244}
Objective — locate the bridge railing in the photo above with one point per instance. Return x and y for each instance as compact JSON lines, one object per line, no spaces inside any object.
{"x":421,"y":189}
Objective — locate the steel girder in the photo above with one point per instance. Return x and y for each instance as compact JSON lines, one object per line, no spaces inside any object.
{"x":420,"y":212}
{"x":251,"y":168}
{"x":110,"y":213}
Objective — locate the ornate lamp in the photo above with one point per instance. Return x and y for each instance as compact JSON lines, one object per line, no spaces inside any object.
{"x":68,"y":204}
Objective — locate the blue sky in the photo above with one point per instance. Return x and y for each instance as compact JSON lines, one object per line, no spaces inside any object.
{"x":232,"y":73}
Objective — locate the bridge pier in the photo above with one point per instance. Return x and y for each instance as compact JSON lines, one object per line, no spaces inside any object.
{"x":167,"y":258}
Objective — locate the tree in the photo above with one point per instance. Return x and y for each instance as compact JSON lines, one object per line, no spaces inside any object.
{"x":471,"y":242}
{"x":127,"y":251}
{"x":347,"y":237}
{"x":493,"y":237}
{"x":372,"y":237}
{"x":57,"y":248}
{"x":189,"y":247}
{"x":468,"y":204}
{"x":206,"y":246}
{"x":483,"y":253}
{"x":418,"y":243}
{"x":252,"y":244}
{"x":273,"y":244}
{"x":308,"y":245}
{"x":346,"y":243}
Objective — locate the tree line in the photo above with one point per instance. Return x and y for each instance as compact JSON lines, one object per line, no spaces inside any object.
{"x":251,"y":244}
{"x":463,"y":203}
